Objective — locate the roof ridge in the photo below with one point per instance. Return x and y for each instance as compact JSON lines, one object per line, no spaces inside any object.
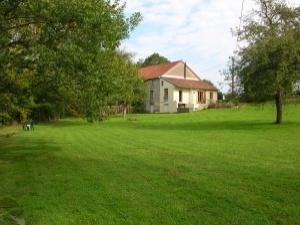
{"x":155,"y":71}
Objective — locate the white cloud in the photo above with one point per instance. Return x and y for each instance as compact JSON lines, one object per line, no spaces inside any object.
{"x":197,"y":31}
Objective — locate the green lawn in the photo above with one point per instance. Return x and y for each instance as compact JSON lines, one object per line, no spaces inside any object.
{"x":232,"y":167}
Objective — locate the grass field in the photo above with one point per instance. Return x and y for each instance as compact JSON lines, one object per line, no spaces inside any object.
{"x":232,"y":167}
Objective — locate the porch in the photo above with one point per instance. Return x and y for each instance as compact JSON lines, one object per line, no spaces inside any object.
{"x":183,"y":108}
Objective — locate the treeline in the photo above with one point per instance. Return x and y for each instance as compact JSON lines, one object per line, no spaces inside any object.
{"x":60,"y":58}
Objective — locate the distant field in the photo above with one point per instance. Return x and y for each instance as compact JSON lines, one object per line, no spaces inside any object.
{"x":232,"y":167}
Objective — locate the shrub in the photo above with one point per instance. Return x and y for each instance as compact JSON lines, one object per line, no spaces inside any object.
{"x":223,"y":105}
{"x":5,"y":119}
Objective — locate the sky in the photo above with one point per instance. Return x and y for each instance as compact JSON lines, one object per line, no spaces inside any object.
{"x":195,"y":31}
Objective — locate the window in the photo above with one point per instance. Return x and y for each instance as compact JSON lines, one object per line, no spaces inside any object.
{"x":166,"y":94}
{"x":162,"y":83}
{"x":151,"y":97}
{"x":211,"y":95}
{"x":201,"y":97}
{"x":180,"y":96}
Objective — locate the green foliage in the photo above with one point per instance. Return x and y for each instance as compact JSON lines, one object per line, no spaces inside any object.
{"x":104,"y":92}
{"x":270,"y":65}
{"x":131,"y":89}
{"x":231,"y":78}
{"x":209,"y":82}
{"x":233,"y":97}
{"x":154,"y":59}
{"x":220,"y":96}
{"x":55,"y":55}
{"x":5,"y":119}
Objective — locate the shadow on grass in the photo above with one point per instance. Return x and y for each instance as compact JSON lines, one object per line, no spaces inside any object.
{"x":15,"y":150}
{"x":214,"y":125}
{"x":66,"y":123}
{"x":233,"y":125}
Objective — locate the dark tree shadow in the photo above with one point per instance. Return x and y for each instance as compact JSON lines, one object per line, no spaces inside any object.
{"x":15,"y":149}
{"x":205,"y":126}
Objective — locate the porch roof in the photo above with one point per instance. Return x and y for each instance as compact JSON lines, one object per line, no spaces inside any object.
{"x":190,"y":84}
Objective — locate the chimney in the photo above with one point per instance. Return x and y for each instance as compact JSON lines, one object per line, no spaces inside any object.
{"x":185,"y":70}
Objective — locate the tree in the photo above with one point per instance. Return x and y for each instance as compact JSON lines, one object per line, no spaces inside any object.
{"x":220,"y":96}
{"x":55,"y":55}
{"x":131,"y":89}
{"x":119,"y":85}
{"x":154,"y":59}
{"x":209,"y":82}
{"x":231,"y":77}
{"x":270,"y":64}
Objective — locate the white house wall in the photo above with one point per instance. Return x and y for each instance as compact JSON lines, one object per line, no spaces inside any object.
{"x":189,"y":97}
{"x":155,"y":86}
{"x":208,"y":101}
{"x":169,"y":106}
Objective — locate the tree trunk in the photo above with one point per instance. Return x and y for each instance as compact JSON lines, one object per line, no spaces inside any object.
{"x":278,"y":101}
{"x":232,"y":84}
{"x":125,"y":111}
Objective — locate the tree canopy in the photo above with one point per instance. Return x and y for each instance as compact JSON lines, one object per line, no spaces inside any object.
{"x":269,"y":65}
{"x":231,"y":77}
{"x":59,"y":57}
{"x":209,"y":82}
{"x":154,"y":59}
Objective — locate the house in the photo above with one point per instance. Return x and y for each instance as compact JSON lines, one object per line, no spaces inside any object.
{"x":175,"y":87}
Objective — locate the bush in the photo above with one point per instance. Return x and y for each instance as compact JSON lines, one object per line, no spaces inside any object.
{"x":223,"y":105}
{"x":5,"y":119}
{"x":220,"y":96}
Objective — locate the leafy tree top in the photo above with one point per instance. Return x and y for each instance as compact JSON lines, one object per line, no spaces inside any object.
{"x":209,"y":82}
{"x":269,"y":65}
{"x":57,"y":55}
{"x":271,"y":61}
{"x":154,"y":59}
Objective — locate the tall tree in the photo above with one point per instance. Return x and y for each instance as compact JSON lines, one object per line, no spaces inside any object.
{"x":114,"y":83}
{"x":270,"y":64}
{"x":131,"y":89}
{"x":55,"y":54}
{"x":231,"y":74}
{"x":154,"y":59}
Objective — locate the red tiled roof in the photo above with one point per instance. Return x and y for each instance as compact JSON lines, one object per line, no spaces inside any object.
{"x":151,"y":72}
{"x":188,"y":84}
